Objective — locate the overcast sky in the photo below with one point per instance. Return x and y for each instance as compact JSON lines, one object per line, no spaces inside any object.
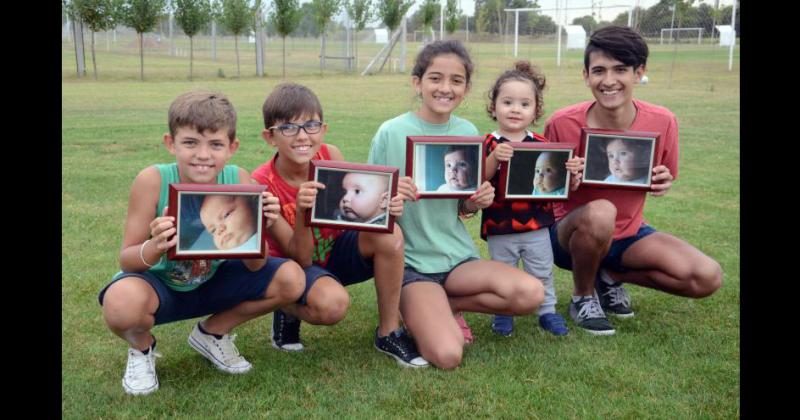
{"x":610,"y":8}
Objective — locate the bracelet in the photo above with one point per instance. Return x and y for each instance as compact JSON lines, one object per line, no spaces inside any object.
{"x":141,"y":253}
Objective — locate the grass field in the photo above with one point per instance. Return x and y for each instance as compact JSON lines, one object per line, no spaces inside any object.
{"x":678,"y":358}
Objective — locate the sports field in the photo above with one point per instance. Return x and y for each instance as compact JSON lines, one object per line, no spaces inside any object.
{"x":678,"y":358}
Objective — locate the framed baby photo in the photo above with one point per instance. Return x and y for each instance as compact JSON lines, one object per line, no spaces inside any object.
{"x":217,"y":221}
{"x":537,"y":171}
{"x":618,"y":159}
{"x":356,"y":196}
{"x":445,"y":166}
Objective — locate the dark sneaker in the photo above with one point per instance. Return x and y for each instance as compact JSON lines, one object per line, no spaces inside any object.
{"x":503,"y":325}
{"x":554,"y":324}
{"x":614,"y":299}
{"x":588,"y":314}
{"x":401,"y":346}
{"x":286,"y":332}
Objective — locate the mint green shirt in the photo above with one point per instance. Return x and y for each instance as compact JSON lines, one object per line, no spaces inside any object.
{"x":436,"y":239}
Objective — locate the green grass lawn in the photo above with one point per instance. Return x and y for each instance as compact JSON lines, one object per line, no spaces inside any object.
{"x":678,"y":358}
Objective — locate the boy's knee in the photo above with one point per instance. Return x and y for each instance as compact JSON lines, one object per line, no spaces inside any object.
{"x":291,"y":281}
{"x":597,"y":218}
{"x":391,"y":244}
{"x":331,"y":308}
{"x":126,"y":302}
{"x":707,"y":279}
{"x":528,"y":296}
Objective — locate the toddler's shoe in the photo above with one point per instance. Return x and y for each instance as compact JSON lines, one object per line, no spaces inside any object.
{"x":553,"y":323}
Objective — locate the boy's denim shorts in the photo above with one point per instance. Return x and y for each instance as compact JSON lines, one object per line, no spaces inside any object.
{"x":345,"y":264}
{"x":232,"y":284}
{"x":612,"y":260}
{"x":410,"y":275}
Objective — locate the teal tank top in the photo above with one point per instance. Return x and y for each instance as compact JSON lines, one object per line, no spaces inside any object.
{"x":186,"y":275}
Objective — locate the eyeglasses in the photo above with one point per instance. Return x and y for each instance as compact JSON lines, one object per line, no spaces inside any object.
{"x":289,"y":129}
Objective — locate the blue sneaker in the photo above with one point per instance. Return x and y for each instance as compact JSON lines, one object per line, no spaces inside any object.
{"x":503,"y":325}
{"x":554,"y":324}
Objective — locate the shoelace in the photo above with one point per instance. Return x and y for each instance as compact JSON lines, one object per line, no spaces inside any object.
{"x":226,"y":347}
{"x":402,"y":343}
{"x":286,"y":331}
{"x":591,"y":309}
{"x":618,"y":296}
{"x":142,"y":365}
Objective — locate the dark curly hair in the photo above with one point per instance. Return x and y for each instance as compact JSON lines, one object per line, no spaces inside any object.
{"x":523,"y":71}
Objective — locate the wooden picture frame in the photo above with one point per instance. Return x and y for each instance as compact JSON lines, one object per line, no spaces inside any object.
{"x":217,"y":221}
{"x":356,"y":196}
{"x":519,"y":179}
{"x":428,"y":156}
{"x":632,"y":169}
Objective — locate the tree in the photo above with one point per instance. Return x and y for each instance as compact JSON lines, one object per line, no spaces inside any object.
{"x":452,"y":16}
{"x":391,"y":13}
{"x":428,"y":14}
{"x":192,"y":16}
{"x":98,"y":15}
{"x":360,"y":12}
{"x":323,"y":12}
{"x":588,"y":23}
{"x":284,"y":17}
{"x":236,"y":18}
{"x":544,"y":25}
{"x":142,"y":16}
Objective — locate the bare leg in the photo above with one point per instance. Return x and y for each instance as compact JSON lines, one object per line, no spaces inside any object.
{"x":386,"y":251}
{"x":663,"y":262}
{"x":326,"y":303}
{"x":129,"y":307}
{"x":429,"y":318}
{"x":587,"y":233}
{"x":494,"y":288}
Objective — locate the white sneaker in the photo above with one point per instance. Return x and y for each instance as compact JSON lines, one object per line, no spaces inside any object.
{"x":222,"y":353}
{"x":140,"y":374}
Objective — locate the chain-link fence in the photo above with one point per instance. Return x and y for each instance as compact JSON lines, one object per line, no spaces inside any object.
{"x":678,"y":34}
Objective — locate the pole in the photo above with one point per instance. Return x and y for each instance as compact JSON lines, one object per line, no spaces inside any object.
{"x":214,"y":40}
{"x":558,"y":46}
{"x":441,"y":20}
{"x":733,"y":25}
{"x":630,"y":17}
{"x":403,"y":49}
{"x":672,"y":25}
{"x":467,"y":16}
{"x":516,"y":32}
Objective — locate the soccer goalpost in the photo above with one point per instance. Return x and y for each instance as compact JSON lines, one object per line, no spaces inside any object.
{"x":672,"y":30}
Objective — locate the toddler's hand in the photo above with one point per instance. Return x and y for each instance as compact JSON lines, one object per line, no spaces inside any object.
{"x":503,"y":152}
{"x":307,"y":195}
{"x":396,"y":206}
{"x":661,"y":181}
{"x":484,"y":196}
{"x":575,"y":166}
{"x":406,"y":188}
{"x":272,"y":208}
{"x":161,"y":230}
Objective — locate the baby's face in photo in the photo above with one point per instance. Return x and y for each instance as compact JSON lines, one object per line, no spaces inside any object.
{"x":228,"y":219}
{"x":365,"y":196}
{"x":621,"y":160}
{"x":457,"y":170}
{"x":548,"y":175}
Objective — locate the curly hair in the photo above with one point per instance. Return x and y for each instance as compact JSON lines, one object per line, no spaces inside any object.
{"x":523,"y":71}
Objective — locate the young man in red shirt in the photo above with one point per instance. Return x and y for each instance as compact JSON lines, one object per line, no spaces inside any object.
{"x":600,"y":234}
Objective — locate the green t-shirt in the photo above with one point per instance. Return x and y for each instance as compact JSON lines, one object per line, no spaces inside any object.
{"x":436,"y":239}
{"x":186,"y":275}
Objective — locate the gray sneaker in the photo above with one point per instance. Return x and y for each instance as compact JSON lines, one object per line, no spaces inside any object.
{"x":588,"y":314}
{"x":140,"y":374}
{"x":222,"y":353}
{"x":614,"y":299}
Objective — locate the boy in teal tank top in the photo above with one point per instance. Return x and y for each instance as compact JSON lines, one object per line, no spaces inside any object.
{"x":151,"y":290}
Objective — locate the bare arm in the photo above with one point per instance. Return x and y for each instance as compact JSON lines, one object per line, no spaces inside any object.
{"x":142,"y":223}
{"x":502,"y":153}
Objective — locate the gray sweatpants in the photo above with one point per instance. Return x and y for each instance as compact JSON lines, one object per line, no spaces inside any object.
{"x":533,"y":248}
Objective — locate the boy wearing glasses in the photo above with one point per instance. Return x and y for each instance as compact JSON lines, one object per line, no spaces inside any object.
{"x":331,"y":258}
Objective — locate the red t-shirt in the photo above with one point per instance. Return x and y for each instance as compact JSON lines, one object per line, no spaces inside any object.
{"x":504,"y":217}
{"x":323,"y":237}
{"x":565,"y":126}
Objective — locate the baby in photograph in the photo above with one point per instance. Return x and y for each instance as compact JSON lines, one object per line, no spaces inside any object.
{"x":230,"y":220}
{"x":365,"y":199}
{"x":460,"y":171}
{"x":549,"y":176}
{"x":628,"y":161}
